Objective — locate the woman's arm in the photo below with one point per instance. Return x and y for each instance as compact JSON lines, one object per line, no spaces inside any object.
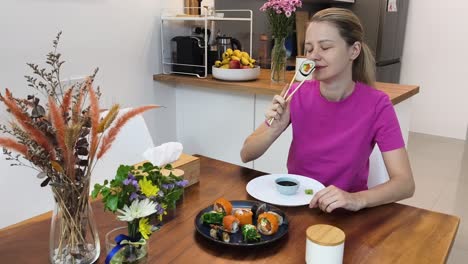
{"x":400,"y":186}
{"x":258,"y":142}
{"x":261,"y":139}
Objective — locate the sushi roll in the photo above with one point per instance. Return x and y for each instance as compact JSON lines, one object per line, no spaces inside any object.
{"x":231,"y":223}
{"x":267,"y":224}
{"x":222,"y":205}
{"x":250,"y":233}
{"x":278,"y":217}
{"x":219,"y":234}
{"x":244,"y":215}
{"x":307,"y":67}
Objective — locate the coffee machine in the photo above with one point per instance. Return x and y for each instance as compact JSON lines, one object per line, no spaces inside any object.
{"x":188,"y":51}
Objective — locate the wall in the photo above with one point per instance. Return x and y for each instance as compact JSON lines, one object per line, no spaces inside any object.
{"x":120,"y":37}
{"x":435,"y":57}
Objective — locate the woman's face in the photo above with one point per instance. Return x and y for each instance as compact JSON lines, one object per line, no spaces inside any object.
{"x":332,"y":55}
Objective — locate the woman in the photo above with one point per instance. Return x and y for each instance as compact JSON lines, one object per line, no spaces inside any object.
{"x":337,"y":118}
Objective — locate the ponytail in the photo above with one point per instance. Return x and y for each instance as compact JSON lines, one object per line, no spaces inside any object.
{"x":364,"y":66}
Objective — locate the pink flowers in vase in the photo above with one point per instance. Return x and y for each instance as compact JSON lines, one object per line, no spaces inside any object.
{"x":288,"y":7}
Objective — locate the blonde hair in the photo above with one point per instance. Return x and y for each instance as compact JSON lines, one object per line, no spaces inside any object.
{"x":351,"y":30}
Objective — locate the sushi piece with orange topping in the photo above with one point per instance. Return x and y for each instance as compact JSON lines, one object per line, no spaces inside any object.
{"x":244,"y":215}
{"x":267,"y":223}
{"x":231,"y":224}
{"x":222,"y":205}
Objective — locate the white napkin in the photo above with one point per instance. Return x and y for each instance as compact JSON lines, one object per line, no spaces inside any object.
{"x":164,"y":154}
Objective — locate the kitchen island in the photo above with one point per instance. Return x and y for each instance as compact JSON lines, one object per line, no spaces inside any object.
{"x":214,"y":117}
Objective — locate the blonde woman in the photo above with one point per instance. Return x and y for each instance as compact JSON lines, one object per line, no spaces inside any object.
{"x":336,"y":119}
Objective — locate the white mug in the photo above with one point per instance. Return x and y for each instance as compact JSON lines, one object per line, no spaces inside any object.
{"x":299,"y":76}
{"x":324,"y":245}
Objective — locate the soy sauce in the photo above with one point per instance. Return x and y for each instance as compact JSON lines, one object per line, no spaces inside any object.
{"x":287,"y":183}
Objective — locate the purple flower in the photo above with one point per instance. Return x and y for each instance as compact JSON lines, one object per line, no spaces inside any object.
{"x":159,"y":209}
{"x":165,"y":186}
{"x":133,"y":196}
{"x":161,"y":194}
{"x":182,"y":183}
{"x":287,"y":13}
{"x":131,"y":180}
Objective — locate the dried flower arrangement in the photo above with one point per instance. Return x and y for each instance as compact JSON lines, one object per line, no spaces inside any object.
{"x":63,"y":143}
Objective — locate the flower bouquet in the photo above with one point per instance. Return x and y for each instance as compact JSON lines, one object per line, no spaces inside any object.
{"x":281,"y":16}
{"x":136,"y":194}
{"x":63,"y":140}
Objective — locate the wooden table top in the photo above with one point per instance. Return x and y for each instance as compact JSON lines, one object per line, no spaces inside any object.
{"x":393,"y":233}
{"x":263,"y":85}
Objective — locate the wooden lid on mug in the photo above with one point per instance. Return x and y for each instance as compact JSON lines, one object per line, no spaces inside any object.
{"x":325,"y":235}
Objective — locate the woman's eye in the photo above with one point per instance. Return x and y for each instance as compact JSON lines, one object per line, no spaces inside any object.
{"x":325,"y":48}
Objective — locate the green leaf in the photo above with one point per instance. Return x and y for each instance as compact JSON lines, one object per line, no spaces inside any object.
{"x":105,"y":191}
{"x":97,"y":189}
{"x":111,"y":202}
{"x":122,"y":173}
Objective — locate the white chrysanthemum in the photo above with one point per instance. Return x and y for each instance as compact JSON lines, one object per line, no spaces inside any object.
{"x":137,"y":209}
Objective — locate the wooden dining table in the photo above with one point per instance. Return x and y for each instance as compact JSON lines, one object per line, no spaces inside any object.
{"x":393,"y":233}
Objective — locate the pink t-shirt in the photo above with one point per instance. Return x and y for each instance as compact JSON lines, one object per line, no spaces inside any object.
{"x":332,"y":141}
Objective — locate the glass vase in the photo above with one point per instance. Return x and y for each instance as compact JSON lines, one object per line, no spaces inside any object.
{"x":278,"y":61}
{"x":73,"y":235}
{"x":129,"y":253}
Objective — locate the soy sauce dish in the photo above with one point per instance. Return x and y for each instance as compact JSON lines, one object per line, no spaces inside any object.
{"x":287,"y":185}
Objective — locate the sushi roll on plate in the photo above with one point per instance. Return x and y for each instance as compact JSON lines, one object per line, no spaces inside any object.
{"x":230,"y":224}
{"x":222,"y":205}
{"x":244,"y":215}
{"x":219,"y":234}
{"x":267,"y":224}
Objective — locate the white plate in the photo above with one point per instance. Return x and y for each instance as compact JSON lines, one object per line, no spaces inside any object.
{"x":236,"y":74}
{"x":264,"y":189}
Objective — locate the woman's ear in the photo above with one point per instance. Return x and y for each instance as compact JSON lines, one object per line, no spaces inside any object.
{"x":355,"y":50}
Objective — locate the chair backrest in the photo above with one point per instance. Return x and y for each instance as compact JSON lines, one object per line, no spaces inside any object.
{"x":24,"y":198}
{"x":377,"y":171}
{"x":134,"y":138}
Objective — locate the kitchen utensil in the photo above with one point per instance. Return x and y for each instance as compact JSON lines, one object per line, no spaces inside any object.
{"x":225,"y":42}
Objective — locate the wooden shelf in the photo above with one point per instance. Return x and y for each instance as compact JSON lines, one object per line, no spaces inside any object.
{"x":263,"y":85}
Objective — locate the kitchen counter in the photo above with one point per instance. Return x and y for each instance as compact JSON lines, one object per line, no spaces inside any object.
{"x":263,"y":85}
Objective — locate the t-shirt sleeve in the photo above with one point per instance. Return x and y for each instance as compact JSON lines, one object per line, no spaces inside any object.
{"x":387,"y":128}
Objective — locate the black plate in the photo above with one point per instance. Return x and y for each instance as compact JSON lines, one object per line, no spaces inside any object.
{"x":236,"y":239}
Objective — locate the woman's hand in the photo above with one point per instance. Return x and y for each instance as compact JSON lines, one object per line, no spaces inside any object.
{"x":279,"y":111}
{"x":333,"y":197}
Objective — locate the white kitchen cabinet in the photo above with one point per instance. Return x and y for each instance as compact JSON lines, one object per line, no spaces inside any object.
{"x":214,"y":122}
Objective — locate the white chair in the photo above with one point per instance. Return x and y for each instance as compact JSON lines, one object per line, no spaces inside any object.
{"x":377,"y":171}
{"x":134,"y":138}
{"x":23,"y":197}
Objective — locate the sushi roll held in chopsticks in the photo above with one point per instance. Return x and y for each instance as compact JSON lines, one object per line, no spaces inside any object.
{"x":267,"y":223}
{"x":307,"y":67}
{"x":222,"y":205}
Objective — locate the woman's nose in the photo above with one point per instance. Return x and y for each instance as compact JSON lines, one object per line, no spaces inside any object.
{"x":314,"y":55}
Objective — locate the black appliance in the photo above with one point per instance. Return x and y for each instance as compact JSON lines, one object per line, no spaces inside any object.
{"x":190,"y":50}
{"x":384,"y":33}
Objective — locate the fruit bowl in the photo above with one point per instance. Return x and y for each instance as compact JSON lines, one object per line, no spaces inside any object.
{"x":236,"y":74}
